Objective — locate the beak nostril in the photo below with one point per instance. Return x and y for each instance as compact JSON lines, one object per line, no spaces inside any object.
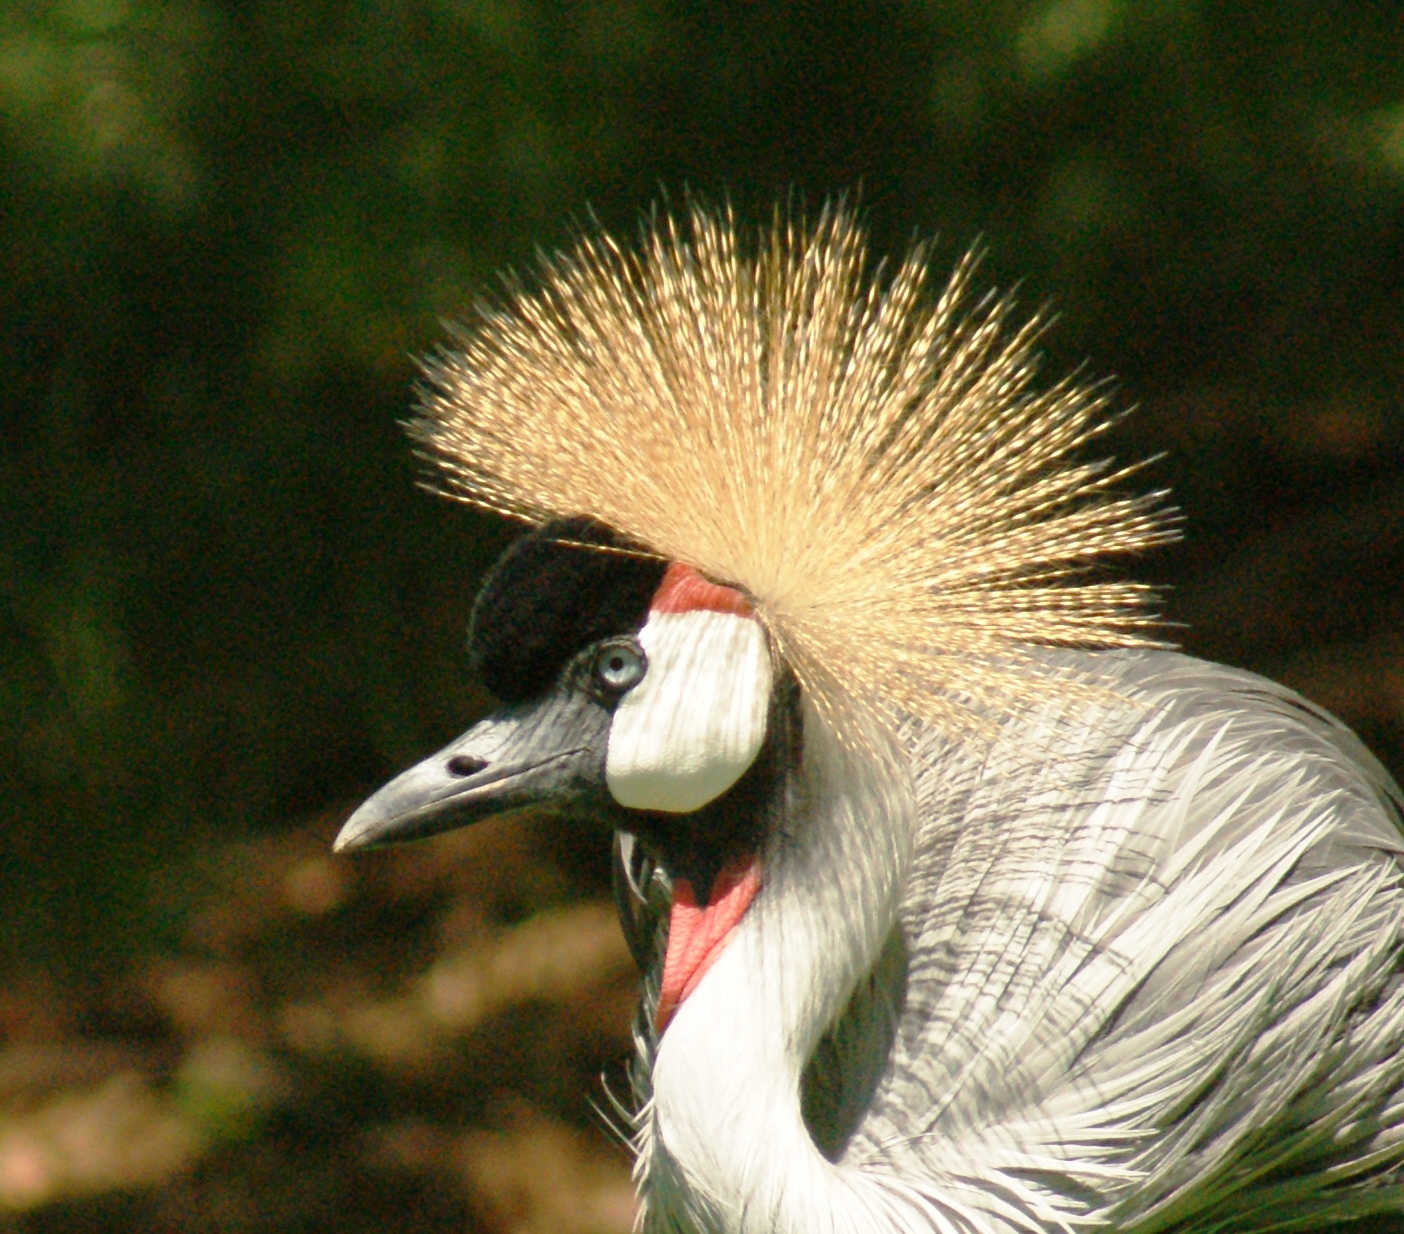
{"x":466,"y":765}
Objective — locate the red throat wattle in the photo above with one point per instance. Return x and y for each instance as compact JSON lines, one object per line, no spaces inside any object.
{"x":697,"y":936}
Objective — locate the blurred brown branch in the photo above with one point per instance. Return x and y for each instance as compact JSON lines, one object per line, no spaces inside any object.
{"x":268,"y":1004}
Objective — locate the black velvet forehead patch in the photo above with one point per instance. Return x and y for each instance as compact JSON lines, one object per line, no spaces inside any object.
{"x":548,"y":598}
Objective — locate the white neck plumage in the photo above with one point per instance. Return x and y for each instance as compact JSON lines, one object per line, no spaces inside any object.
{"x":727,"y":1146}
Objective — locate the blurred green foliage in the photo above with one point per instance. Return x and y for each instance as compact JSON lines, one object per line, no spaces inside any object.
{"x":229,"y":228}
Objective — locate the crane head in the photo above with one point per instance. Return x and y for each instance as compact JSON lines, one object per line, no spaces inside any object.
{"x":635,"y":694}
{"x":783,"y":502}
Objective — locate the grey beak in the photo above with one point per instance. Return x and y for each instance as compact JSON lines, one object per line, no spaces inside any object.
{"x":521,"y":756}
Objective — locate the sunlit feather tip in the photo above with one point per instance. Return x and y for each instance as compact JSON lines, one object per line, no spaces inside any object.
{"x":869,"y":462}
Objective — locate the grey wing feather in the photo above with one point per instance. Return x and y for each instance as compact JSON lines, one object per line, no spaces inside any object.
{"x":1152,"y":966}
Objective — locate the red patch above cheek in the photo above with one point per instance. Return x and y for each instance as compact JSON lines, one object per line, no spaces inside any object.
{"x":683,"y":590}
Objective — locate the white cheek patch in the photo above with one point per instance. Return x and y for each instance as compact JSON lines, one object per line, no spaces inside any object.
{"x":688,"y":731}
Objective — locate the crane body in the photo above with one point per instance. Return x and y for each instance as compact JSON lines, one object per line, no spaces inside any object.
{"x":945,"y":926}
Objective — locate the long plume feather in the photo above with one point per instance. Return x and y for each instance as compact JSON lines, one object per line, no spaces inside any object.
{"x":870,"y":463}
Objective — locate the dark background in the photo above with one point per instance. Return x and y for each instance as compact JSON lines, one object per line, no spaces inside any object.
{"x":226,"y":612}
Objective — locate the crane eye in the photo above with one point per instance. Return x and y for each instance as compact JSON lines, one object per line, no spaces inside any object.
{"x":620,"y":665}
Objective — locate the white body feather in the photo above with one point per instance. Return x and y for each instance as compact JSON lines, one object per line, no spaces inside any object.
{"x":1152,"y":979}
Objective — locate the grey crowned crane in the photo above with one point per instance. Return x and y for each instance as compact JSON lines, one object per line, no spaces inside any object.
{"x":963,"y":904}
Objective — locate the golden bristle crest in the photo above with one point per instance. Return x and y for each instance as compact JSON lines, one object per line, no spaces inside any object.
{"x":870,"y":463}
